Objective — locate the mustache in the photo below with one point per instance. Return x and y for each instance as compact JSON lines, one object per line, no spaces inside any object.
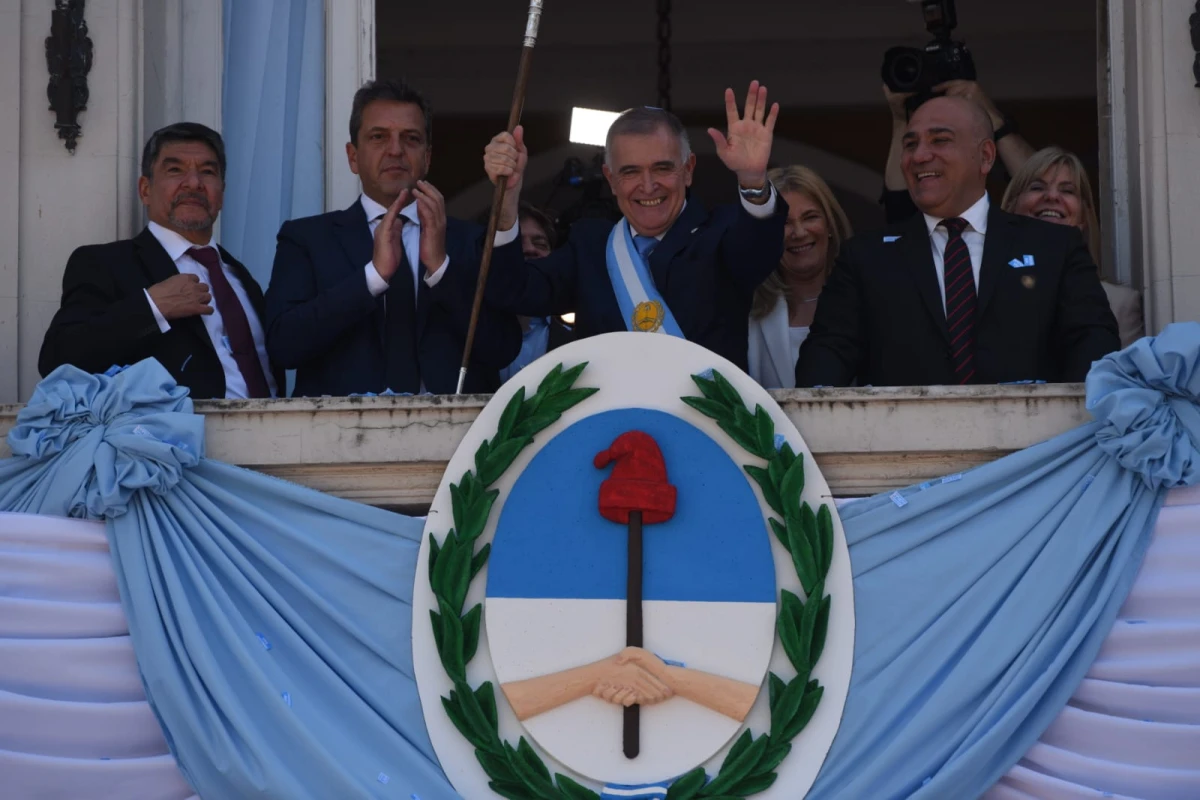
{"x":186,"y":197}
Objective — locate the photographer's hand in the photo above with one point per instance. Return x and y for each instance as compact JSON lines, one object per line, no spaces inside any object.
{"x":893,"y":175}
{"x":970,"y":90}
{"x":1013,"y":150}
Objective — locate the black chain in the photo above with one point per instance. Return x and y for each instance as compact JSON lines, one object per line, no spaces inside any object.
{"x":664,"y":54}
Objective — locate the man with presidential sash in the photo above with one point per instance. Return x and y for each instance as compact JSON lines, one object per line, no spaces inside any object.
{"x":669,"y":265}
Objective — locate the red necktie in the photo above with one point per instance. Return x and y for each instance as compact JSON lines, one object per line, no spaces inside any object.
{"x":233,"y":317}
{"x":960,"y":300}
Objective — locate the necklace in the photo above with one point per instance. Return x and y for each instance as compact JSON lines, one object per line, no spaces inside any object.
{"x":812,"y":299}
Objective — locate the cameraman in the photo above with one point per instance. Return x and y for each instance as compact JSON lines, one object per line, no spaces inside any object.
{"x":1011,"y":149}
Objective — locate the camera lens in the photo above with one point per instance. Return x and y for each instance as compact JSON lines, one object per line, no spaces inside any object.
{"x":902,"y":69}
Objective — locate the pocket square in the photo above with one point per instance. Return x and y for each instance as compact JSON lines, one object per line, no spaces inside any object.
{"x":890,"y":239}
{"x":1024,"y":261}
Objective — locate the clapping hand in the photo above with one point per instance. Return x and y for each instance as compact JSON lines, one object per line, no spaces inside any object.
{"x":388,"y":245}
{"x":745,"y":147}
{"x":431,"y":210}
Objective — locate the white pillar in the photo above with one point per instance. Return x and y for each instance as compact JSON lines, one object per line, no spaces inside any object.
{"x":349,"y":63}
{"x":10,"y":203}
{"x":65,"y":200}
{"x":1160,"y":110}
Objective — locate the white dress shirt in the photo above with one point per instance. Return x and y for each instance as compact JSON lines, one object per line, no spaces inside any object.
{"x":976,"y":218}
{"x":410,"y":238}
{"x":235,"y":384}
{"x":761,"y":212}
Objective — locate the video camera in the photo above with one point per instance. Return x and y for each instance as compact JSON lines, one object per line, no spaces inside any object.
{"x":912,"y":69}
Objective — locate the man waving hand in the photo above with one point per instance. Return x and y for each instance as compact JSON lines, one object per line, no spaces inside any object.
{"x":669,"y":265}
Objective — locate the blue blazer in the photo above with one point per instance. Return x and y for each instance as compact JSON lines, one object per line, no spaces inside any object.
{"x":706,"y":268}
{"x":323,"y":322}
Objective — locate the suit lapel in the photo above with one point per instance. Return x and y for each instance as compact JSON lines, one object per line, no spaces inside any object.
{"x":917,"y":257}
{"x":997,"y":249}
{"x":253,"y":290}
{"x":158,"y":266}
{"x":354,"y":237}
{"x":679,"y":235}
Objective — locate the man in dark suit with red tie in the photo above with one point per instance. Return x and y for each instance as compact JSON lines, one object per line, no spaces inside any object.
{"x":169,"y":293}
{"x":378,"y":296}
{"x":962,"y":293}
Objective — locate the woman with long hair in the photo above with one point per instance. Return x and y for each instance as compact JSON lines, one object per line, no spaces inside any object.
{"x":784,"y":304}
{"x":1053,"y":185}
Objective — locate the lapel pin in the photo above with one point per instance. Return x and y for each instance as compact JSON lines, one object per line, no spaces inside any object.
{"x":1028,"y":281}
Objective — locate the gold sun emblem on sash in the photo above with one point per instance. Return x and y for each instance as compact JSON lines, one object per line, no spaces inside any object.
{"x":648,"y":316}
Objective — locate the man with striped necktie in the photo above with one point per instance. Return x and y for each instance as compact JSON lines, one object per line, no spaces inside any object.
{"x":962,"y":293}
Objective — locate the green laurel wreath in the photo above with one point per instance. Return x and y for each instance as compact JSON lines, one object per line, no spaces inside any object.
{"x":518,"y":773}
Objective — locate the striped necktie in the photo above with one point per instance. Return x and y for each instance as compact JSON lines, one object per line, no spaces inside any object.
{"x":961,"y":300}
{"x":233,"y":318}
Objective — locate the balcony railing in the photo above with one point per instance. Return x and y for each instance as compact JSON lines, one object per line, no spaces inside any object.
{"x":391,"y":451}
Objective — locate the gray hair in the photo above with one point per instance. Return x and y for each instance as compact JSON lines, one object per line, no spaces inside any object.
{"x":643,"y":122}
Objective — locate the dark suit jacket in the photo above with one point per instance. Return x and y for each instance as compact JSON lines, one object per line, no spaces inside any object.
{"x":706,"y":268}
{"x":880,"y":319}
{"x":105,"y":319}
{"x":323,"y":321}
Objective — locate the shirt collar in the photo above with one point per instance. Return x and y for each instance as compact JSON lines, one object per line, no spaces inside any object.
{"x":668,"y":230}
{"x":173,"y":243}
{"x":374,"y":210}
{"x":976,"y":216}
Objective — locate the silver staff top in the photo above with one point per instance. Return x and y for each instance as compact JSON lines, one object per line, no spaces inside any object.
{"x":531,"y":24}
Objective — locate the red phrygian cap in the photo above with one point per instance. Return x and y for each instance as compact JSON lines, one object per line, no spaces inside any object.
{"x":638,"y":481}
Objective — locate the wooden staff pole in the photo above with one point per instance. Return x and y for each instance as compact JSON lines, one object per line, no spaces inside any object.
{"x":514,"y":117}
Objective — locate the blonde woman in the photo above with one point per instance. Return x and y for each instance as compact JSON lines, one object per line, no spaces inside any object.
{"x":786,"y":301}
{"x":1053,"y":185}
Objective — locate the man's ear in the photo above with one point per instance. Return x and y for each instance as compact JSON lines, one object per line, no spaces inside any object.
{"x":144,"y":190}
{"x":608,"y":176}
{"x":987,"y":152}
{"x":352,"y":157}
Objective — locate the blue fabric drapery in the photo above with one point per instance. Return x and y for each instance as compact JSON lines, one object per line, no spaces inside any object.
{"x":273,"y":118}
{"x":982,"y":600}
{"x":272,"y":623}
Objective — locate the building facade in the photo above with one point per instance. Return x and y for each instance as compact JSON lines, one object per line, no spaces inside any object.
{"x":277,"y":77}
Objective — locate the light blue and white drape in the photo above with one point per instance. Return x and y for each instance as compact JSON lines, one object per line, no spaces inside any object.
{"x":271,"y":624}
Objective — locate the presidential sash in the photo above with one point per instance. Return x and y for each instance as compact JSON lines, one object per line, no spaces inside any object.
{"x":642,"y":307}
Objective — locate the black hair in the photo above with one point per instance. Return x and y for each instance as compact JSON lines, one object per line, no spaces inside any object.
{"x":182,"y":132}
{"x":394,"y":91}
{"x":544,"y":221}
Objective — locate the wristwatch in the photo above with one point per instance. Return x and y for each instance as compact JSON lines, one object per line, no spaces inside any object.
{"x":1009,"y":126}
{"x":756,"y":194}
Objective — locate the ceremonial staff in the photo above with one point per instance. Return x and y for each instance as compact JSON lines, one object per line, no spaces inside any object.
{"x":635,"y":494}
{"x":514,"y":116}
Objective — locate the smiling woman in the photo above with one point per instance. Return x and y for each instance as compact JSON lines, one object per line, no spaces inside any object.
{"x":786,"y":301}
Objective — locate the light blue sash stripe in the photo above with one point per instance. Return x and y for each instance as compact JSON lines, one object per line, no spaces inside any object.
{"x":633,"y":283}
